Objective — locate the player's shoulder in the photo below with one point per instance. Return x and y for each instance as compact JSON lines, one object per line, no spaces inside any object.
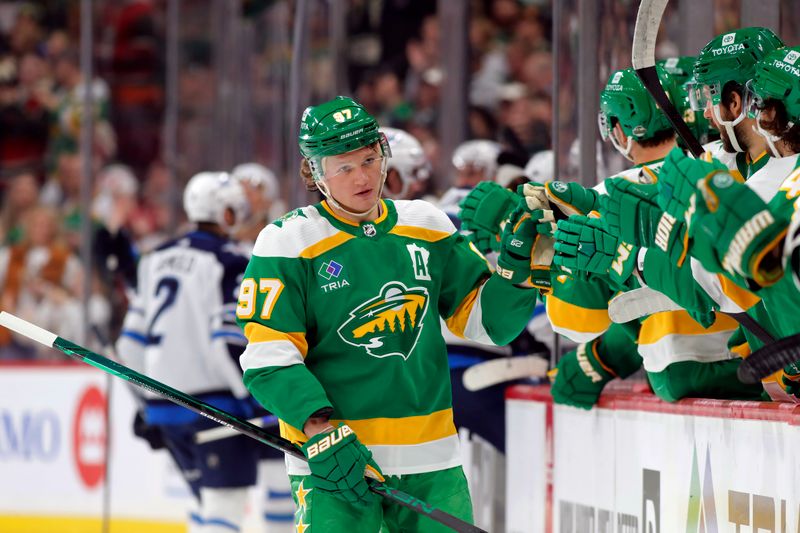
{"x":422,"y":214}
{"x":717,"y":151}
{"x":294,"y":232}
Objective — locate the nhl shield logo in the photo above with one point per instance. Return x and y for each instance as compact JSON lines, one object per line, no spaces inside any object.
{"x":390,"y":323}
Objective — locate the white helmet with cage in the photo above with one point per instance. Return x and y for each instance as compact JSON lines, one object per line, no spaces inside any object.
{"x":478,"y":153}
{"x":408,"y":159}
{"x":541,"y":167}
{"x":208,"y":195}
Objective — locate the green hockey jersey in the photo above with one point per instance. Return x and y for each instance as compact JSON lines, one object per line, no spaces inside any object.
{"x":346,"y":315}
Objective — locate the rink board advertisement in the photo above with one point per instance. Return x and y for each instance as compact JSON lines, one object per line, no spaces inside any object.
{"x":53,"y":448}
{"x":639,"y":465}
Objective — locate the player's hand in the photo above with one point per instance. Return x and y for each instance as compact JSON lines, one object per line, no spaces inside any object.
{"x":631,"y":211}
{"x":482,"y":212}
{"x":735,"y":221}
{"x":564,"y":198}
{"x":678,"y":179}
{"x":526,"y":249}
{"x":579,"y":377}
{"x":338,"y":462}
{"x":150,"y":433}
{"x":585,"y":244}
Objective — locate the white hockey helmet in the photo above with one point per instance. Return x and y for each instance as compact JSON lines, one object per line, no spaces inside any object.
{"x":479,"y":153}
{"x":209,"y":194}
{"x":259,"y":176}
{"x":408,"y":159}
{"x":541,"y":167}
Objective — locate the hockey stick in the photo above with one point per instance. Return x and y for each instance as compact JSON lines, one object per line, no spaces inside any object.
{"x":504,"y":369}
{"x":769,"y":359}
{"x":223,"y":432}
{"x":80,"y":353}
{"x":643,"y":53}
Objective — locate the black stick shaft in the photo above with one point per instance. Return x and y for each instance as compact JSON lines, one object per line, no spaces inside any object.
{"x":243,"y":426}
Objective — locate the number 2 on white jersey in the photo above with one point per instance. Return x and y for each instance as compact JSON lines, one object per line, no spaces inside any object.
{"x":246,"y":307}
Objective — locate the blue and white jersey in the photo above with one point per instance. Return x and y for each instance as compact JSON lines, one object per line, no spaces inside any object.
{"x":180,"y":327}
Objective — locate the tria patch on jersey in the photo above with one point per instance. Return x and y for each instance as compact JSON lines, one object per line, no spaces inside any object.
{"x":390,"y":323}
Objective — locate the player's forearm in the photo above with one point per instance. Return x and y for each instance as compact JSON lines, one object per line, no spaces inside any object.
{"x":292,"y":393}
{"x":505,"y":309}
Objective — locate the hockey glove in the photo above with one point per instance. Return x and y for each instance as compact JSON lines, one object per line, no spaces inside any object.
{"x":526,"y":251}
{"x":585,"y":244}
{"x":734,"y":219}
{"x":338,"y":462}
{"x":678,"y":178}
{"x":579,"y":377}
{"x":572,"y":198}
{"x":789,"y":379}
{"x":483,"y":210}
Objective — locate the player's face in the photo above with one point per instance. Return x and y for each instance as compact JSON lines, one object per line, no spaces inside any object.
{"x":354,"y":178}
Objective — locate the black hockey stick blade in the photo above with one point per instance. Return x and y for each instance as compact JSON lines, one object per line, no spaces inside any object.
{"x":769,"y":359}
{"x":200,"y":407}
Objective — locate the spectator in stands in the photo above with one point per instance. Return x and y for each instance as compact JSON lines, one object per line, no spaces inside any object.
{"x":22,"y":193}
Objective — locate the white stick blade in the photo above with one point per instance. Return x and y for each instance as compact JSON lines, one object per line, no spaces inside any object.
{"x":648,"y":19}
{"x":23,"y":327}
{"x":496,"y":371}
{"x":639,"y":303}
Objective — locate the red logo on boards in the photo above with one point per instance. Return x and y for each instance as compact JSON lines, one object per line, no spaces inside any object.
{"x":89,"y":437}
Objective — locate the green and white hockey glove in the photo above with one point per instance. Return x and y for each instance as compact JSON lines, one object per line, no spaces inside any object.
{"x":338,"y":462}
{"x":585,"y":244}
{"x":579,"y":377}
{"x":526,"y":250}
{"x":741,"y":227}
{"x":482,"y":212}
{"x":569,"y":197}
{"x":677,"y":181}
{"x":790,"y":379}
{"x":631,"y":211}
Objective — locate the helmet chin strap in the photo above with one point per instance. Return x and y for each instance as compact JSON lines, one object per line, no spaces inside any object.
{"x":323,"y":188}
{"x":626,"y":151}
{"x":768,"y":137}
{"x":729,"y":125}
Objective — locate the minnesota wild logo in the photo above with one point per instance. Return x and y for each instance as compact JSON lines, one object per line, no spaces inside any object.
{"x":390,"y":323}
{"x":289,"y":216}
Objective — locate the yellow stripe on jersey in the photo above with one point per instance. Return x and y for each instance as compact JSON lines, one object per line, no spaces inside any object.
{"x":406,"y":431}
{"x":657,"y":326}
{"x":325,"y":245}
{"x":423,"y":234}
{"x":738,"y":295}
{"x":458,"y":322}
{"x":256,"y":332}
{"x":381,"y":218}
{"x":569,"y":316}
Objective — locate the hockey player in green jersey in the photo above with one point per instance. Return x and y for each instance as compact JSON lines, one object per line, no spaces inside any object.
{"x":341,"y":304}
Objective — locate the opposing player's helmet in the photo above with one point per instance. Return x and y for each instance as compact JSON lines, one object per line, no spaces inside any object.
{"x":408,"y":159}
{"x":626,"y":101}
{"x":336,"y":127}
{"x":541,"y":167}
{"x":209,"y":194}
{"x":260,"y":177}
{"x":478,"y":153}
{"x":775,"y":78}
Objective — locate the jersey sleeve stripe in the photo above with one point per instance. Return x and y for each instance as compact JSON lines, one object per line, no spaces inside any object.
{"x":657,"y":326}
{"x":740,"y":296}
{"x":325,"y":245}
{"x":458,"y":322}
{"x":256,"y":333}
{"x":228,"y":335}
{"x":423,"y":234}
{"x":135,"y":336}
{"x":580,"y":324}
{"x":268,"y":354}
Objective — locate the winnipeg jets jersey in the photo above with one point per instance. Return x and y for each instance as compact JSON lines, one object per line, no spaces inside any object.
{"x":180,"y":328}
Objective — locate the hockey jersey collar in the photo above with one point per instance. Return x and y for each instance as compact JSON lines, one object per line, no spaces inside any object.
{"x":367,"y":229}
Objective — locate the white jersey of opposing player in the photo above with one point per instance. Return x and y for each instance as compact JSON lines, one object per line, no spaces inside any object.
{"x":180,"y":328}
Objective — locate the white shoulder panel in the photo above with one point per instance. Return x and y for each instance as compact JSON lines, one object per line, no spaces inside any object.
{"x":771,"y":176}
{"x":293,"y":233}
{"x":422,"y":214}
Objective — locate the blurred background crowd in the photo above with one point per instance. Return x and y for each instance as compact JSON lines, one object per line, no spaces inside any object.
{"x":179,"y":87}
